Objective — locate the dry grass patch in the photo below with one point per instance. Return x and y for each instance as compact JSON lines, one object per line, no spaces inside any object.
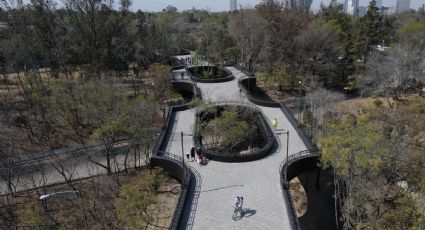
{"x":299,"y":196}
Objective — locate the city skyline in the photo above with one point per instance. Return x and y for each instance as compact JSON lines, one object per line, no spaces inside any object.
{"x":223,"y":5}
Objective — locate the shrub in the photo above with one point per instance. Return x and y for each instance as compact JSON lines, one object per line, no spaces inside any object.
{"x":377,"y":103}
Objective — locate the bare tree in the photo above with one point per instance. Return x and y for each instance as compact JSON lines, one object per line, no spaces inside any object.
{"x":321,"y":103}
{"x":248,"y":29}
{"x":317,"y":52}
{"x":392,"y":74}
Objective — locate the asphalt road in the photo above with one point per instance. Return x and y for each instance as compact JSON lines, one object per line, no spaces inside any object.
{"x":65,"y":166}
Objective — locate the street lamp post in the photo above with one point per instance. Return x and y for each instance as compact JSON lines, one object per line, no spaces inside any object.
{"x":287,"y":144}
{"x":299,"y":96}
{"x":65,"y":194}
{"x":181,"y":135}
{"x":287,"y":154}
{"x":182,"y":148}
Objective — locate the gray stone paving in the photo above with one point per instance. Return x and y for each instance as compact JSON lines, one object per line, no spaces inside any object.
{"x":258,"y":181}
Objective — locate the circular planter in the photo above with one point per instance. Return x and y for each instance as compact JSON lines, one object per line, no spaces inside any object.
{"x":217,"y":74}
{"x":264,"y":131}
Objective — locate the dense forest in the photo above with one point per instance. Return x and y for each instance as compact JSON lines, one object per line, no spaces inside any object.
{"x":86,"y":71}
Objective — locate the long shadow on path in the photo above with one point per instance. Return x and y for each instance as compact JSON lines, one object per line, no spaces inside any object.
{"x":191,"y":203}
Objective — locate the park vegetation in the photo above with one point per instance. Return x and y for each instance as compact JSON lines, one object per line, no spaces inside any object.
{"x":137,"y":200}
{"x":230,"y":129}
{"x":84,"y":71}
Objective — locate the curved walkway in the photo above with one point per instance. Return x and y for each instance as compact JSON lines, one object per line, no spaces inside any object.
{"x":257,"y":181}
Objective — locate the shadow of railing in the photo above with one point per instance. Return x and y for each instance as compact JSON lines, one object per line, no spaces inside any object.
{"x":284,"y":166}
{"x":188,"y":215}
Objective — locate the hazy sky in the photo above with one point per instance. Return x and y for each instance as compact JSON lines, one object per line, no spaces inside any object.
{"x":220,"y":5}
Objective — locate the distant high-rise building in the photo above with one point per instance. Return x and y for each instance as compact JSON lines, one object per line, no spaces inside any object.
{"x":305,"y":4}
{"x":402,"y":6}
{"x":233,"y":5}
{"x":379,"y":4}
{"x":361,"y":11}
{"x":19,"y":3}
{"x":351,"y":7}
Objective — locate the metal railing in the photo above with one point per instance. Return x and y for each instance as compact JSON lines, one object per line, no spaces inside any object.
{"x":293,"y":158}
{"x":283,"y":169}
{"x":228,"y":102}
{"x":185,"y":185}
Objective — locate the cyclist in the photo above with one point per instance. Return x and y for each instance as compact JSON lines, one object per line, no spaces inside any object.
{"x":240,"y":202}
{"x":237,"y":203}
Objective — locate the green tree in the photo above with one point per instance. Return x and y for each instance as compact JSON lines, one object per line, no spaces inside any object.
{"x":134,"y":203}
{"x":343,"y":25}
{"x":354,"y":149}
{"x":214,"y":39}
{"x":227,"y":130}
{"x":318,"y":52}
{"x":370,"y":31}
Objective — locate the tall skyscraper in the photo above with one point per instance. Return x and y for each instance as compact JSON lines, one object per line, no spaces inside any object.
{"x":351,"y":7}
{"x":233,"y":5}
{"x":379,"y":4}
{"x":307,"y":4}
{"x":402,"y":6}
{"x":304,"y":4}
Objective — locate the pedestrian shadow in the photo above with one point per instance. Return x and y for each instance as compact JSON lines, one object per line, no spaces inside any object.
{"x":191,"y":203}
{"x":248,"y":212}
{"x":280,"y":131}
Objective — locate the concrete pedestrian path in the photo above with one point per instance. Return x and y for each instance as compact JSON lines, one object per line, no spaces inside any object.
{"x":257,"y":181}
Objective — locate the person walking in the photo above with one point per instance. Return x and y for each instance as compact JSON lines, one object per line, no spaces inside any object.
{"x":192,"y":153}
{"x":274,"y":124}
{"x":199,"y":155}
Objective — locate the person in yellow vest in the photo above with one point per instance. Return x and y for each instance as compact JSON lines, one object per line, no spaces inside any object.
{"x":274,"y":124}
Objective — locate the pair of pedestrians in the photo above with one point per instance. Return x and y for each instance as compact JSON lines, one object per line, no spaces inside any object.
{"x":196,"y":155}
{"x":191,"y":154}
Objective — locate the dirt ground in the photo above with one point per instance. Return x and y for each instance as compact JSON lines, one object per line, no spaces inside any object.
{"x":274,"y":93}
{"x":299,"y":196}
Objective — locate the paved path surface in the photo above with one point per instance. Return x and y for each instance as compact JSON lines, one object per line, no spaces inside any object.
{"x":46,"y":171}
{"x":258,"y":181}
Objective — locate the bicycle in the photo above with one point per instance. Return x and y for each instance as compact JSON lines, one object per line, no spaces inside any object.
{"x":237,"y":214}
